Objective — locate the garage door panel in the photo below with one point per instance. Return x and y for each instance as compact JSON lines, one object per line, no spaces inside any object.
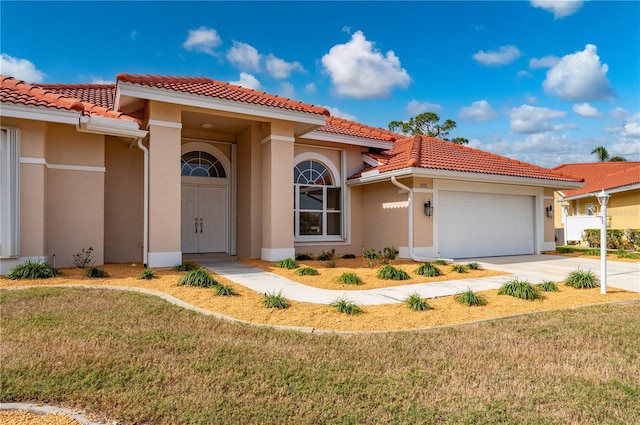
{"x":484,"y":224}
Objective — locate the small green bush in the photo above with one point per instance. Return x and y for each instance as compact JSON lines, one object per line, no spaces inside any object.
{"x":459,"y":268}
{"x":147,"y":274}
{"x":428,"y":270}
{"x":564,"y":249}
{"x":345,"y":306}
{"x":288,"y":263}
{"x":225,"y":290}
{"x":83,"y":258}
{"x":306,"y":271}
{"x":327,"y":255}
{"x":621,"y":253}
{"x":273,"y":300}
{"x":633,"y":236}
{"x":592,"y":251}
{"x":348,"y":256}
{"x":348,"y":278}
{"x":470,"y":298}
{"x":440,"y":262}
{"x":198,"y":277}
{"x":95,"y":272}
{"x":33,"y":269}
{"x":389,"y":272}
{"x":389,"y":254}
{"x":186,"y":267}
{"x":371,"y":257}
{"x":615,"y":238}
{"x":474,"y":266}
{"x":416,"y":303}
{"x":581,"y":279}
{"x":548,"y":286}
{"x":304,"y":256}
{"x":520,"y":289}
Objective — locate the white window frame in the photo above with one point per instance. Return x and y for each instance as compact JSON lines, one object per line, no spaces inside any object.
{"x":9,"y":192}
{"x":590,"y":209}
{"x":336,"y":183}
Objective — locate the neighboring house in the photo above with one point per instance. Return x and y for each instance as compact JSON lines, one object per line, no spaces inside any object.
{"x":154,"y":167}
{"x":580,"y":208}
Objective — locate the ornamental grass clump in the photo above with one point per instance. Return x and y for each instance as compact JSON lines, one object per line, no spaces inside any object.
{"x":273,"y":300}
{"x":548,"y":286}
{"x":95,"y":272}
{"x":582,"y":279}
{"x":33,"y":269}
{"x":225,"y":290}
{"x":520,"y":289}
{"x":198,"y":277}
{"x":345,"y":306}
{"x":391,"y":273}
{"x":147,"y":274}
{"x":428,"y":270}
{"x":470,"y":298}
{"x":304,"y":256}
{"x":288,"y":263}
{"x":459,"y":268}
{"x":348,"y":278}
{"x":441,"y":262}
{"x":474,"y":266}
{"x":416,"y":303}
{"x":306,"y":271}
{"x":186,"y":267}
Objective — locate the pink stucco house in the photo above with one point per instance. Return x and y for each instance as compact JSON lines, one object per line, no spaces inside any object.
{"x":154,"y":167}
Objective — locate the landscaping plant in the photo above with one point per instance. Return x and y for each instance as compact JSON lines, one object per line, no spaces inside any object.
{"x":303,"y":256}
{"x":95,"y":272}
{"x":548,"y":286}
{"x":474,"y":266}
{"x":349,"y":278}
{"x":288,"y":263}
{"x":416,"y":303}
{"x":198,"y":277}
{"x":441,"y":262}
{"x":428,"y":270}
{"x":186,"y":267}
{"x":519,"y":289}
{"x":33,"y":269}
{"x":389,"y":253}
{"x":147,"y":274}
{"x":345,"y":306}
{"x":371,"y":257}
{"x":273,"y":300}
{"x":581,"y":279}
{"x":459,"y":268}
{"x":470,"y":298}
{"x":306,"y":271}
{"x":225,"y":290}
{"x":83,"y":258}
{"x":389,"y":272}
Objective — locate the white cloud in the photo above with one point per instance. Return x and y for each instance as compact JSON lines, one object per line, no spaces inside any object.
{"x":287,"y":90}
{"x":100,"y":80}
{"x":545,"y":62}
{"x":310,"y":88}
{"x":248,"y":81}
{"x":586,"y":110}
{"x":479,"y":111}
{"x":559,"y":8}
{"x":504,"y":56}
{"x":415,"y":107}
{"x":22,"y":69}
{"x":338,"y":113}
{"x":133,"y":34}
{"x":523,"y":73}
{"x":579,"y":77}
{"x":360,"y":71}
{"x":202,"y":40}
{"x":279,"y":68}
{"x":244,"y":56}
{"x":534,"y":119}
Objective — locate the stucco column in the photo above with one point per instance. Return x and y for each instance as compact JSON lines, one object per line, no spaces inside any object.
{"x":277,"y":197}
{"x":164,"y":193}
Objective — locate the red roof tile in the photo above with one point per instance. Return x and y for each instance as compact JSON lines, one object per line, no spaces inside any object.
{"x":345,"y":127}
{"x":98,"y":94}
{"x":220,"y":90}
{"x":430,"y":153}
{"x":601,"y":175}
{"x":20,"y":93}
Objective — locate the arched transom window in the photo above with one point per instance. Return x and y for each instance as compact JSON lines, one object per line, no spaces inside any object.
{"x":317,"y":201}
{"x":202,"y":164}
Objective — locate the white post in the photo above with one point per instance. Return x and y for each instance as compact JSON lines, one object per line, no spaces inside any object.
{"x":603,"y":199}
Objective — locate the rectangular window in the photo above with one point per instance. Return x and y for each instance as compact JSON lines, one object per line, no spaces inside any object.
{"x":9,"y":193}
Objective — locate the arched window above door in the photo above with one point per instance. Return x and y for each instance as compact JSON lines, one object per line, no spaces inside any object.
{"x":202,"y":164}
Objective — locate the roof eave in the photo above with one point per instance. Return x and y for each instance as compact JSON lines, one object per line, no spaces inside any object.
{"x":40,"y":113}
{"x":619,"y":189}
{"x":110,"y":126}
{"x":347,"y":140}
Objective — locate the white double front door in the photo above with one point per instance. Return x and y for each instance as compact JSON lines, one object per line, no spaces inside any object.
{"x":204,"y":219}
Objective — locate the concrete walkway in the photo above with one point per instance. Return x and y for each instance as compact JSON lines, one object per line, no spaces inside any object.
{"x":533,"y":268}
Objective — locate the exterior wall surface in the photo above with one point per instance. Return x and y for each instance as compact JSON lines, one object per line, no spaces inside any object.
{"x":249,"y":197}
{"x":385,"y":217}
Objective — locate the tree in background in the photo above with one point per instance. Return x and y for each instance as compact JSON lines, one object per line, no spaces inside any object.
{"x":428,"y":124}
{"x":603,"y":155}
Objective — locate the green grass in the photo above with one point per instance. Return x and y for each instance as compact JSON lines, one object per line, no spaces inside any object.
{"x":416,"y":303}
{"x":273,"y":300}
{"x":345,"y":306}
{"x":186,"y":267}
{"x":389,"y":272}
{"x":621,"y":253}
{"x":33,"y":269}
{"x":428,"y":270}
{"x":470,"y":298}
{"x":348,"y":278}
{"x":134,"y":358}
{"x":95,"y":272}
{"x":147,"y":274}
{"x":306,"y":271}
{"x":564,"y":249}
{"x":288,"y":263}
{"x":581,"y":279}
{"x":592,"y":251}
{"x":548,"y":286}
{"x":520,"y":289}
{"x":198,"y":277}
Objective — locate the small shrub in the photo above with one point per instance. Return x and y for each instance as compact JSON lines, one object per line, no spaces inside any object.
{"x":186,"y":267}
{"x":459,"y":268}
{"x":304,"y":256}
{"x":474,"y":266}
{"x":591,"y":237}
{"x":83,"y":258}
{"x":428,"y":270}
{"x":345,"y":306}
{"x":306,"y":271}
{"x":548,"y":286}
{"x":225,"y":290}
{"x":470,"y":298}
{"x":273,"y":300}
{"x":198,"y":277}
{"x":371,"y":257}
{"x":621,"y":253}
{"x":581,"y":279}
{"x":288,"y":263}
{"x":519,"y":289}
{"x":330,"y":258}
{"x":415,"y":303}
{"x":440,"y":262}
{"x":389,"y":272}
{"x":614,"y":238}
{"x":348,"y":278}
{"x":564,"y":249}
{"x":592,"y":251}
{"x":33,"y":269}
{"x":389,"y":254}
{"x":348,"y":256}
{"x":95,"y":272}
{"x":147,"y":274}
{"x":633,"y":236}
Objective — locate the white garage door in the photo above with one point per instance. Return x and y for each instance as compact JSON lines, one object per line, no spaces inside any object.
{"x":484,"y":224}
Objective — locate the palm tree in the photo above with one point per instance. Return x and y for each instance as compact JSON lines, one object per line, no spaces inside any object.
{"x":602,"y":153}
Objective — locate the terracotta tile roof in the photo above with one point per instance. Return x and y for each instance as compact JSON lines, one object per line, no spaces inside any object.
{"x":344,"y":127}
{"x":71,"y":97}
{"x":601,"y":175}
{"x":430,"y":153}
{"x":220,"y":90}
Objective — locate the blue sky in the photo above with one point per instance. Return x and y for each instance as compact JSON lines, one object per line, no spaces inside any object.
{"x":540,"y":81}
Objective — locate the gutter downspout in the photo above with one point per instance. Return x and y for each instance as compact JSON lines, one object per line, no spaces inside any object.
{"x":410,"y":241}
{"x":145,"y":237}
